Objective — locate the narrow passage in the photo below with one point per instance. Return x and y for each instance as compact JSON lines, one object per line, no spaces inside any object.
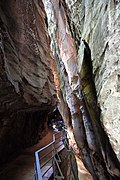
{"x":22,"y":168}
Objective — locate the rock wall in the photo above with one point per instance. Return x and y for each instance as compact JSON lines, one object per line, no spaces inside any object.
{"x":85,"y":43}
{"x":68,"y":165}
{"x":98,"y":24}
{"x":81,"y":34}
{"x":27,"y":91}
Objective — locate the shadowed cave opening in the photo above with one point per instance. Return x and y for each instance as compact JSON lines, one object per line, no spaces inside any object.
{"x":55,"y":120}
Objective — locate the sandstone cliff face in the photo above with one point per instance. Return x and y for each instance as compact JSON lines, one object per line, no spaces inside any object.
{"x":27,"y":91}
{"x":85,"y":44}
{"x":98,"y":24}
{"x":84,"y":41}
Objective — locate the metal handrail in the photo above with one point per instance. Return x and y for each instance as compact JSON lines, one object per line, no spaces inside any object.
{"x":46,"y":155}
{"x":46,"y":162}
{"x":45,"y":147}
{"x":47,"y":170}
{"x":38,"y":174}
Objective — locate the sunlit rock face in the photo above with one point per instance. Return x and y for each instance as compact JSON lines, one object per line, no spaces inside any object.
{"x":98,"y":24}
{"x":84,"y":40}
{"x":27,"y":91}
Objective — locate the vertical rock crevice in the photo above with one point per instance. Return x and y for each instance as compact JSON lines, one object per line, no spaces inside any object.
{"x":79,"y":92}
{"x":101,"y":145}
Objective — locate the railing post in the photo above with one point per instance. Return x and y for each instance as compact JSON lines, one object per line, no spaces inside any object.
{"x":53,"y":154}
{"x":55,"y":160}
{"x":38,"y":170}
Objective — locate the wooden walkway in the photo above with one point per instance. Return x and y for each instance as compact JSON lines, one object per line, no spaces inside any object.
{"x":22,"y":168}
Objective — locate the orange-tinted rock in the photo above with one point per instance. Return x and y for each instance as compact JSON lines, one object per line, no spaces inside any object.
{"x":27,"y":90}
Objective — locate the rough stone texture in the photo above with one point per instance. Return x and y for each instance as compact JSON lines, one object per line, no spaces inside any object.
{"x":99,"y":26}
{"x":68,"y":165}
{"x":27,"y":91}
{"x":85,"y":42}
{"x":80,"y":38}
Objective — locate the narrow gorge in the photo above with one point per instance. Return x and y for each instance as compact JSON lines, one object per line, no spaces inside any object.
{"x":62,"y":54}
